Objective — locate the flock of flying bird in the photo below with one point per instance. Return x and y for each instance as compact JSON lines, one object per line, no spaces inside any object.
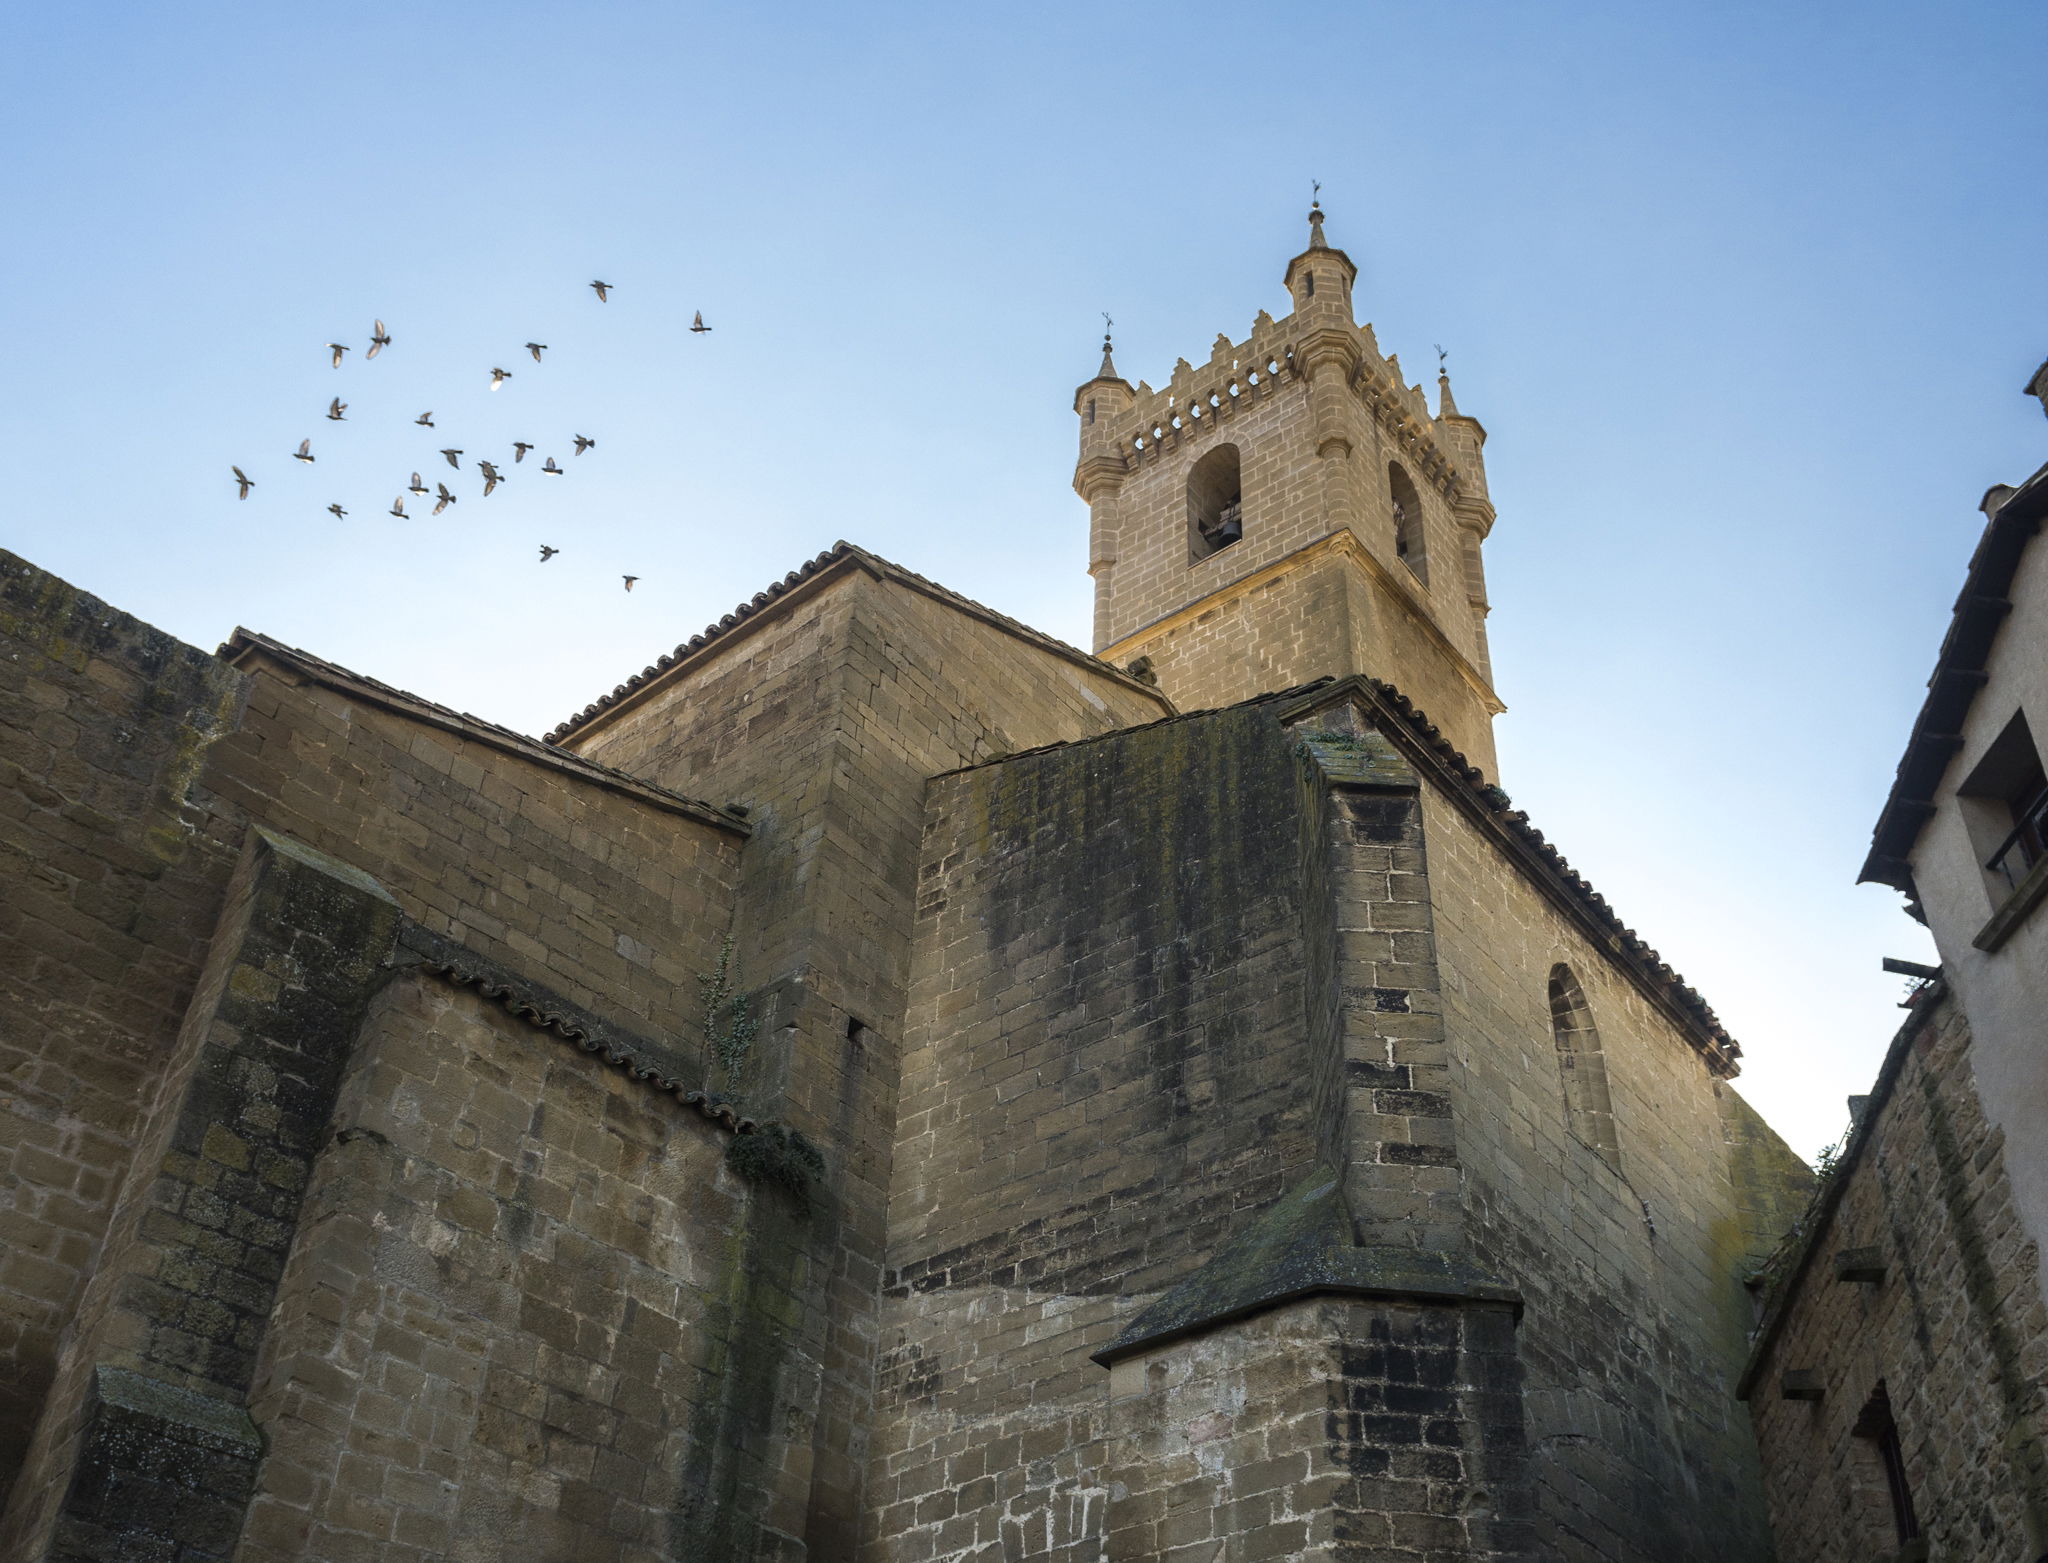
{"x":337,"y":409}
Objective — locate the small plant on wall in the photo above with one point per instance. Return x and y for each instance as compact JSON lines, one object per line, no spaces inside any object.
{"x":728,"y":1027}
{"x":777,"y":1155}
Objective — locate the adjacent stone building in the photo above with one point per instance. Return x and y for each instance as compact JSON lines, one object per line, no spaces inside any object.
{"x":1899,"y":1374}
{"x":882,"y":1084}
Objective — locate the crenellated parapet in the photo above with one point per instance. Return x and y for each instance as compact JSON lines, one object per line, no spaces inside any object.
{"x":1200,"y":399}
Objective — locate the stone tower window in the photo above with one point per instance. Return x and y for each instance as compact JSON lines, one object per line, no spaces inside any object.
{"x":1408,"y":540}
{"x":1091,"y":409}
{"x":1215,"y":503}
{"x":1587,"y":1102}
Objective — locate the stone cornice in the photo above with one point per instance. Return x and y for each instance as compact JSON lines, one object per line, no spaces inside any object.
{"x":1345,"y":543}
{"x":1392,"y":406}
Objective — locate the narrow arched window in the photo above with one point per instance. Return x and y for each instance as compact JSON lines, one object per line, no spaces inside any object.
{"x":1587,"y":1103}
{"x":1408,"y":538}
{"x":1215,"y":503}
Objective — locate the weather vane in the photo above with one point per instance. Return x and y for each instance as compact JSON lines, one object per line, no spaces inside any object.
{"x":1108,"y":326}
{"x":1441,"y":356}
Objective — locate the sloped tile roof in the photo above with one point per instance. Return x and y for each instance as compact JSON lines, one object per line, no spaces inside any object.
{"x":245,"y":642}
{"x":841,"y":553}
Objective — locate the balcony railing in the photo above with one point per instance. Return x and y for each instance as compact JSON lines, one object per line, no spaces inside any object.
{"x":2025,"y":847}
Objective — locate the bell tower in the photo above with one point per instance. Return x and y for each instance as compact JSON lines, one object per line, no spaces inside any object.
{"x":1290,"y":508}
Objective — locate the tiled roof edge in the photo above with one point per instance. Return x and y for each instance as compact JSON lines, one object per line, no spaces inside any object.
{"x":406,"y":703}
{"x":1466,"y":782}
{"x":1979,"y":612}
{"x":645,"y":1061}
{"x":839,"y":553}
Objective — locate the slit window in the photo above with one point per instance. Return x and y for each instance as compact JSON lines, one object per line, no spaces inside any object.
{"x":1588,"y":1104}
{"x":1408,"y":537}
{"x":1215,"y":504}
{"x":1875,"y":1425}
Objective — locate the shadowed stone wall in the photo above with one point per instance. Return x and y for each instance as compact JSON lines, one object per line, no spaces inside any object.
{"x":1914,"y":1274}
{"x":151,"y":1187}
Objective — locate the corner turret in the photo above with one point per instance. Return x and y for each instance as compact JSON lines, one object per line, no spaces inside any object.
{"x":1100,"y":404}
{"x":1320,"y":278}
{"x":1464,"y":440}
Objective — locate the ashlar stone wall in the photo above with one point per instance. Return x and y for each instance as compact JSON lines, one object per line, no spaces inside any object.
{"x":1913,"y":1274}
{"x":1102,"y":1084}
{"x":1325,"y":611}
{"x":1631,"y":1264}
{"x":161,"y":1115}
{"x":825,"y":710}
{"x":1252,"y":1006}
{"x":507,"y":1310}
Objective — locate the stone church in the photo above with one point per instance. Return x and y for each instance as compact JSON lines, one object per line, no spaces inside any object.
{"x":882,"y":1085}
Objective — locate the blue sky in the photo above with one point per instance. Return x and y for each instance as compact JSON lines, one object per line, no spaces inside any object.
{"x":1743,"y":293}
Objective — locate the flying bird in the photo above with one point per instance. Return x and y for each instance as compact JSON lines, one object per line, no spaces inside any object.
{"x":451,"y":453}
{"x":536,"y":348}
{"x":417,"y":486}
{"x":245,"y":480}
{"x":491,"y":478}
{"x":426,"y":419}
{"x":305,"y":451}
{"x":583,"y":444}
{"x":629,"y":580}
{"x":551,"y":469}
{"x":499,"y":377}
{"x":698,"y":323}
{"x":338,"y":350}
{"x":547,"y":553}
{"x":336,"y":408}
{"x":444,"y":500}
{"x":379,"y":340}
{"x":337,"y":512}
{"x":519,"y":450}
{"x":603,"y":289}
{"x":398,"y":507}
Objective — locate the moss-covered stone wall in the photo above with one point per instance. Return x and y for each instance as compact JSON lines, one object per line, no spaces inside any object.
{"x":134,"y":773}
{"x":1107,"y":1075}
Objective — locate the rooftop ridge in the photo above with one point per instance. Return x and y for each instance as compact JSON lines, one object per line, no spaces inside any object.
{"x":1959,"y":672}
{"x":244,"y":641}
{"x":839,"y":553}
